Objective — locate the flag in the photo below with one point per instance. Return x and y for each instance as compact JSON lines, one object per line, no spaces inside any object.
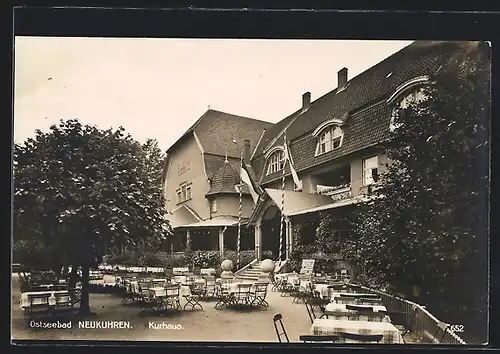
{"x":298,"y":183}
{"x":245,"y":178}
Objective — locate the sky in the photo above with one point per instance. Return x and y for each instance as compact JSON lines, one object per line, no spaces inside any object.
{"x":157,"y":88}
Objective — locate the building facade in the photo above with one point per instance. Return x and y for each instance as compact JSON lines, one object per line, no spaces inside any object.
{"x":333,"y":145}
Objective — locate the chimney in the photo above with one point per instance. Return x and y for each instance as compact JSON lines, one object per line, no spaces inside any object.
{"x":342,"y":78}
{"x":306,"y":101}
{"x":247,"y":153}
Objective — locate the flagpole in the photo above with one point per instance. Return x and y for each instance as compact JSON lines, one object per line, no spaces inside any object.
{"x":238,"y":246}
{"x":282,"y":202}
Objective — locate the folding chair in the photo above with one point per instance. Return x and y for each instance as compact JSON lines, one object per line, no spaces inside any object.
{"x":279,"y":318}
{"x":243,"y":296}
{"x":319,"y":338}
{"x":310,"y":310}
{"x":259,"y":295}
{"x":196,"y":291}
{"x":361,"y":338}
{"x":75,"y":295}
{"x":209,"y":287}
{"x":225,"y":298}
{"x":172,"y":296}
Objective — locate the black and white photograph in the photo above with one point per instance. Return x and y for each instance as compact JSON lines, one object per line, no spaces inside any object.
{"x":250,"y":190}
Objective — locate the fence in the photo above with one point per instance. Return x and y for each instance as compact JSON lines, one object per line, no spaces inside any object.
{"x":419,"y":320}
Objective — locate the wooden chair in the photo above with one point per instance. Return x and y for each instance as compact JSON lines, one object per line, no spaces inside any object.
{"x":196,"y":292}
{"x":278,"y":318}
{"x":361,"y":338}
{"x":172,"y":297}
{"x":225,"y":298}
{"x":243,"y":296}
{"x":75,"y":295}
{"x":310,"y":310}
{"x":209,"y":286}
{"x":358,"y":308}
{"x":319,"y":338}
{"x":259,"y":295}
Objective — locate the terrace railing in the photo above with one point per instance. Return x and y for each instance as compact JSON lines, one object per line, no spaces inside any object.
{"x":419,"y":320}
{"x":341,"y":192}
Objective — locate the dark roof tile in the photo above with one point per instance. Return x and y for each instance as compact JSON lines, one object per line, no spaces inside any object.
{"x":217,"y":131}
{"x":368,"y":122}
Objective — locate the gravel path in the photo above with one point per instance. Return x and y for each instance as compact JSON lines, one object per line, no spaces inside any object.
{"x":209,"y":325}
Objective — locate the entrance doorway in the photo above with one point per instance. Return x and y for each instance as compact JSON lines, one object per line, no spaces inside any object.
{"x":271,"y":233}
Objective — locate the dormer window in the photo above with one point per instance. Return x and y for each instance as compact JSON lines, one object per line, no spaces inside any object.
{"x":411,"y":92}
{"x":329,"y":139}
{"x":275,"y":162}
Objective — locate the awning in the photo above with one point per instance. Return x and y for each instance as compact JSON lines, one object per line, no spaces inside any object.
{"x":329,"y":206}
{"x":182,"y":217}
{"x":294,"y":202}
{"x":221,"y":221}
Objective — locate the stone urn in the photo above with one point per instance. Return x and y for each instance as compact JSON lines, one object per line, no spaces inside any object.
{"x":267,"y":266}
{"x":227,"y":269}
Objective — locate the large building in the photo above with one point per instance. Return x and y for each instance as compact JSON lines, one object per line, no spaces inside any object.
{"x":333,"y":143}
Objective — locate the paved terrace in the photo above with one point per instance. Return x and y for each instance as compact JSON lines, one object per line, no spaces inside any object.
{"x":208,"y":325}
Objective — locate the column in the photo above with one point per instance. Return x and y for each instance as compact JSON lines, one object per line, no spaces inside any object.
{"x":258,"y":238}
{"x":188,"y":240}
{"x":221,"y":242}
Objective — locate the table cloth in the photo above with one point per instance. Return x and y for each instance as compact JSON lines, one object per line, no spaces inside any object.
{"x":24,"y":301}
{"x":391,"y":334}
{"x":334,"y":307}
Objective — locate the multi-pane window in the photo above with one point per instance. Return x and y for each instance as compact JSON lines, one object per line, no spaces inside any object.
{"x":370,"y":170}
{"x":184,"y":192}
{"x":275,"y":162}
{"x":330,"y":139}
{"x":414,"y":96}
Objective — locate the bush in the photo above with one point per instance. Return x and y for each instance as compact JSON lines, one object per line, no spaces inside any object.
{"x":205,"y":259}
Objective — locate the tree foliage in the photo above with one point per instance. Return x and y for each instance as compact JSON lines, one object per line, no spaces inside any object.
{"x":81,"y":191}
{"x":429,"y":228}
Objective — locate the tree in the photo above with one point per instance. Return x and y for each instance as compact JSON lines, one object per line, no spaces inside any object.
{"x":428,"y":228}
{"x":84,"y":190}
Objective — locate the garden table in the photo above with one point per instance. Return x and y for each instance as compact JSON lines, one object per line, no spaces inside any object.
{"x":391,"y":335}
{"x":25,"y":302}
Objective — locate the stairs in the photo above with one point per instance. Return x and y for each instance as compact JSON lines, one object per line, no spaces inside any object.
{"x":250,"y":273}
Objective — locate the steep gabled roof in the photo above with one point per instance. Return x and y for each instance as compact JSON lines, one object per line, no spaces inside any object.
{"x":274,"y":131}
{"x":362,"y":103}
{"x":220,"y":133}
{"x":224,"y":180}
{"x":416,"y":59}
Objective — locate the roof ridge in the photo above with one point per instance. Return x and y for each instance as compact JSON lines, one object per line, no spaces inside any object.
{"x":240,"y":116}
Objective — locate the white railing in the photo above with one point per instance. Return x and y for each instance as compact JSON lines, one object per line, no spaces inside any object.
{"x":337,"y":193}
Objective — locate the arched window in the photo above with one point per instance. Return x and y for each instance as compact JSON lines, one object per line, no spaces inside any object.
{"x":329,"y":139}
{"x":275,"y":162}
{"x":406,"y":94}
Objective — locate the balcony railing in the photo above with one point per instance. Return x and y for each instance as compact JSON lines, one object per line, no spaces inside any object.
{"x":337,"y":193}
